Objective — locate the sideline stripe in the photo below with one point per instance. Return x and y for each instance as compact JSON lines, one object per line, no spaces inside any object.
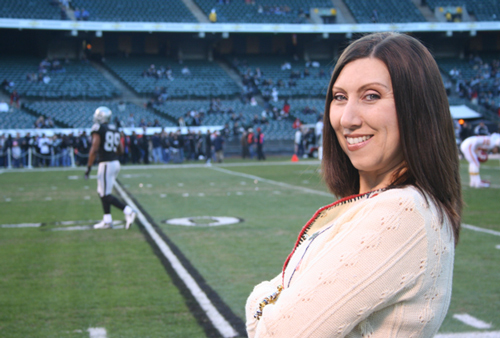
{"x":281,"y":184}
{"x":218,"y":321}
{"x":492,"y":334}
{"x":471,"y":321}
{"x":478,"y":229}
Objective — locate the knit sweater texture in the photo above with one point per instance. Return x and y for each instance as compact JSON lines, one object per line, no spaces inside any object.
{"x":374,"y":266}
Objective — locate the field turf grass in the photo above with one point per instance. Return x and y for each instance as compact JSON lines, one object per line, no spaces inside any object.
{"x":61,"y":283}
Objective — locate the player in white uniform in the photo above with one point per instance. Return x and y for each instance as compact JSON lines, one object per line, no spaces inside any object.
{"x":475,"y":150}
{"x":106,"y":144}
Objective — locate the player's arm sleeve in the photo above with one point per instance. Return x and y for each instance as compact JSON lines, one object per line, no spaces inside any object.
{"x":374,"y":261}
{"x":96,"y":142}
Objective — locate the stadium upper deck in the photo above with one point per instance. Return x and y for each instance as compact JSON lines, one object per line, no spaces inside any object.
{"x":243,"y":11}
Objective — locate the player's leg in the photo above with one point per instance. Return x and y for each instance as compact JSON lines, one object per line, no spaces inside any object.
{"x":113,"y":170}
{"x":102,"y":184}
{"x":471,"y":157}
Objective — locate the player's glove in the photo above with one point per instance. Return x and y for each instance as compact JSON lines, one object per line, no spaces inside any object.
{"x":87,"y":172}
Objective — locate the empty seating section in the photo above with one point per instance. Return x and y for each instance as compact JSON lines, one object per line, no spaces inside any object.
{"x":79,"y":114}
{"x":29,"y":9}
{"x":136,"y":10}
{"x":16,"y":119}
{"x":385,"y":11}
{"x":78,"y":80}
{"x":291,"y":11}
{"x":484,"y":10}
{"x":291,"y":81}
{"x":207,"y":79}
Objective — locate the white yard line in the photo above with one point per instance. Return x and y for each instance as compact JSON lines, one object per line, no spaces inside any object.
{"x":218,"y":321}
{"x":492,"y":334}
{"x":281,"y":184}
{"x":478,"y":229}
{"x":471,"y":321}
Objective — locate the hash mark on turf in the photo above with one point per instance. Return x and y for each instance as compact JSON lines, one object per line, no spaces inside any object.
{"x":97,"y":332}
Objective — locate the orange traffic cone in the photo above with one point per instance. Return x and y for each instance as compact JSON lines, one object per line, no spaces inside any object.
{"x":295,"y":158}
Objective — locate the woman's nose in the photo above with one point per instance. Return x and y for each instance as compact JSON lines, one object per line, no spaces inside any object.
{"x":351,"y":118}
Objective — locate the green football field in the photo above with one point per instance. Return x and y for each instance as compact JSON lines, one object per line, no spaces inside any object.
{"x":204,"y":238}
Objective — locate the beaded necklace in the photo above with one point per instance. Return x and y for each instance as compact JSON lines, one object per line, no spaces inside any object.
{"x":302,"y":237}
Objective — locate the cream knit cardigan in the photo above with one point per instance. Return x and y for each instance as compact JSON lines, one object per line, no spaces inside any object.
{"x":373,"y":266}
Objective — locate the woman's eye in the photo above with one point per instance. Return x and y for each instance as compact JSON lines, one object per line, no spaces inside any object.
{"x":372,"y":97}
{"x":339,"y":97}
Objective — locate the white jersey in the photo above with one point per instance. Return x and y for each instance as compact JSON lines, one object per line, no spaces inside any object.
{"x":473,"y":146}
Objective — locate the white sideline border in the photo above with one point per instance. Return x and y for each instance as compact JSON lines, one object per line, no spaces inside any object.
{"x":218,"y":321}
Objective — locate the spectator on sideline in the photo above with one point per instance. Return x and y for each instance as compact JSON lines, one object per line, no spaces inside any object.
{"x":259,"y":140}
{"x":219,"y":147}
{"x":380,"y":259}
{"x":481,"y":129}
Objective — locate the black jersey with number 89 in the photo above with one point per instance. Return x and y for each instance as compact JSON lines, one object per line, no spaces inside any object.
{"x":110,"y":140}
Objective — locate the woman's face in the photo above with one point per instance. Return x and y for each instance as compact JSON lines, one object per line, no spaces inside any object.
{"x":363,"y":115}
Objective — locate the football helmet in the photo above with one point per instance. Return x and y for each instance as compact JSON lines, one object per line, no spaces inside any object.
{"x":102,"y":115}
{"x":495,"y":140}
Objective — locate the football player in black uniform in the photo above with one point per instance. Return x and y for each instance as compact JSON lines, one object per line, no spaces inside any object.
{"x":106,"y":144}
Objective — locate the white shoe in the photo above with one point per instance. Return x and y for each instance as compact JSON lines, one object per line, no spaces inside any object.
{"x":129,"y":219}
{"x":484,"y":184}
{"x":103,"y":225}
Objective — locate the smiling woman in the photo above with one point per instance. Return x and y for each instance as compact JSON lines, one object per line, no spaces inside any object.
{"x":378,"y":262}
{"x":363,"y":115}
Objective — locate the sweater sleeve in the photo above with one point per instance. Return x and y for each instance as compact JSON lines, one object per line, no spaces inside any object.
{"x":259,"y":292}
{"x":376,"y":259}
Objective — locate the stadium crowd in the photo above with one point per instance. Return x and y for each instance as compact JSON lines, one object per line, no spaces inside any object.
{"x":64,"y":150}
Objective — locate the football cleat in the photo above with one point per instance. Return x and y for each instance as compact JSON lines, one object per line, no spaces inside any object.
{"x":103,"y":225}
{"x":129,"y":219}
